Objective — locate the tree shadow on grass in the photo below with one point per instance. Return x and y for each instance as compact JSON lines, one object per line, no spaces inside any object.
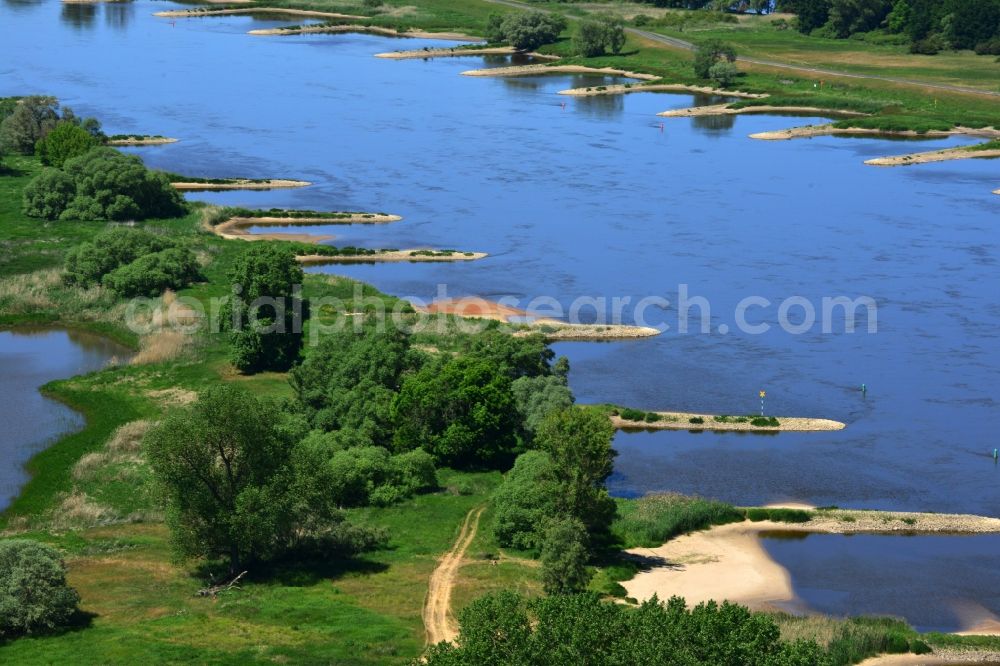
{"x":78,"y":621}
{"x":289,"y":571}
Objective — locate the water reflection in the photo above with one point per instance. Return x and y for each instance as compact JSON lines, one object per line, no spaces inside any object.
{"x":78,"y":14}
{"x":21,"y":5}
{"x":118,"y":15}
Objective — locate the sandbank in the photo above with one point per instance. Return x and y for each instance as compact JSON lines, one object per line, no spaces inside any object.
{"x":945,"y":155}
{"x":193,"y":13}
{"x":393,"y":255}
{"x":531,"y":70}
{"x":681,"y":421}
{"x":142,"y":141}
{"x":458,"y":52}
{"x":728,"y":110}
{"x":242,"y":184}
{"x":622,"y":89}
{"x":370,"y":29}
{"x":808,"y":131}
{"x":940,"y":657}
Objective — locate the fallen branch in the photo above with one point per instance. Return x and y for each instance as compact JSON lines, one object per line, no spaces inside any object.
{"x":215,"y":590}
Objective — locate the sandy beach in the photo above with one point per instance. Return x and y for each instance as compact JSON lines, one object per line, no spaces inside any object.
{"x":940,"y":657}
{"x":371,"y":29}
{"x":395,"y":255}
{"x":728,"y":110}
{"x":933,"y":156}
{"x":142,"y":141}
{"x":622,"y":89}
{"x":681,"y":421}
{"x":242,"y":184}
{"x":532,"y":70}
{"x":729,"y":562}
{"x":194,"y":13}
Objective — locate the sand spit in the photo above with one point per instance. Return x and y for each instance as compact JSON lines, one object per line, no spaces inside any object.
{"x":386,"y":256}
{"x":808,"y":131}
{"x":370,"y":29}
{"x":195,"y":13}
{"x":622,"y":89}
{"x":996,"y":191}
{"x":682,"y":421}
{"x":142,"y":141}
{"x":728,"y":110}
{"x":456,"y":52}
{"x":242,"y":184}
{"x":729,"y":562}
{"x":236,"y":227}
{"x":933,"y":156}
{"x":532,"y":70}
{"x":473,"y":307}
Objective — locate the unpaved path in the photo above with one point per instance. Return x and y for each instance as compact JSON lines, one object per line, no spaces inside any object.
{"x":439,"y":626}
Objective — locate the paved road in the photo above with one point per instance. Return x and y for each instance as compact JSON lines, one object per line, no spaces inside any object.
{"x":682,"y":44}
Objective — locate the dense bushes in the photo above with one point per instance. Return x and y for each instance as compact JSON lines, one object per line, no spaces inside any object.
{"x":237,"y":485}
{"x":106,"y":185}
{"x":131,"y":262}
{"x":537,"y":397}
{"x":504,"y":628}
{"x":366,"y":475}
{"x":460,"y":409}
{"x":524,"y":30}
{"x":149,"y":275}
{"x":34,"y":595}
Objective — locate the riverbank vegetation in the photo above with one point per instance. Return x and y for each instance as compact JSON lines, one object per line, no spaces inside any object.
{"x":283,"y":491}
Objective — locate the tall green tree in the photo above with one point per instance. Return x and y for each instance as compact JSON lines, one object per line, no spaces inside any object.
{"x":461,"y":410}
{"x":30,"y":120}
{"x":266,"y":313}
{"x":229,"y":479}
{"x":579,"y":442}
{"x":709,"y":53}
{"x":564,"y":556}
{"x":526,"y":502}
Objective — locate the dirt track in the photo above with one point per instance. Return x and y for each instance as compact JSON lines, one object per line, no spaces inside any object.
{"x":439,"y":626}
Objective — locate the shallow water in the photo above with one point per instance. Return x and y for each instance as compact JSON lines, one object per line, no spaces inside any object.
{"x":955,"y":578}
{"x":595,"y":196}
{"x":31,"y":421}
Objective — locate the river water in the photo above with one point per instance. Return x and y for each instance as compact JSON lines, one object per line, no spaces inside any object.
{"x":596,"y":197}
{"x":31,"y":421}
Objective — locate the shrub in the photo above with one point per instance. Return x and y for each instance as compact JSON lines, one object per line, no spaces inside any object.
{"x":697,"y":420}
{"x":88,"y":263}
{"x":48,"y":194}
{"x":757,"y":514}
{"x":990,"y":47}
{"x":34,"y":595}
{"x":765,"y":422}
{"x":66,"y":141}
{"x":640,"y":20}
{"x":149,"y":275}
{"x":931,"y":45}
{"x":629,"y":414}
{"x":723,"y":73}
{"x":652,"y":417}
